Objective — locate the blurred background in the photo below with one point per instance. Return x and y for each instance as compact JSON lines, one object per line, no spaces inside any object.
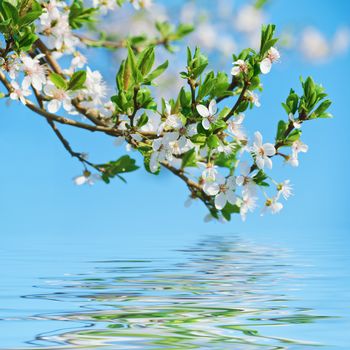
{"x":49,"y":226}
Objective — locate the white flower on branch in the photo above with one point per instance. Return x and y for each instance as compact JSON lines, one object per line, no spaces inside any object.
{"x":273,"y":56}
{"x":19,"y":93}
{"x":59,"y":98}
{"x":34,"y":72}
{"x":95,"y":85}
{"x":296,"y":123}
{"x":223,"y":189}
{"x":86,"y":179}
{"x":51,"y":13}
{"x":245,"y":179}
{"x":272,"y":206}
{"x":262,"y":152}
{"x":248,"y":203}
{"x":297,"y":147}
{"x":235,"y":127}
{"x":208,"y":114}
{"x":172,"y":121}
{"x":254,"y":98}
{"x":209,"y":171}
{"x":162,"y":150}
{"x":239,"y":66}
{"x":285,"y":189}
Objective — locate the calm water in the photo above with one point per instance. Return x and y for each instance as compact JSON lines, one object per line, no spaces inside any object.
{"x":186,"y":292}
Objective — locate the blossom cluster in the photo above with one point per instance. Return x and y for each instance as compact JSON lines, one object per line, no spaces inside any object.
{"x":195,"y":135}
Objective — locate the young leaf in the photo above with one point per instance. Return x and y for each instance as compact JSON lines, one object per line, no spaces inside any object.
{"x":157,"y":72}
{"x":59,"y":81}
{"x":189,"y":159}
{"x":77,"y":80}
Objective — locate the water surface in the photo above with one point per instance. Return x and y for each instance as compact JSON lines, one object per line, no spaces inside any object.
{"x":200,"y":292}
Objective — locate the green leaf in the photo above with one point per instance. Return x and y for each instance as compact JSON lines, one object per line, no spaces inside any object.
{"x":184,"y":29}
{"x":226,"y":160}
{"x":29,"y":18}
{"x":325,"y":115}
{"x":281,"y":129}
{"x":59,"y":81}
{"x":157,"y":72}
{"x":292,"y":137}
{"x":322,"y":107}
{"x":145,"y":60}
{"x":213,"y":141}
{"x":189,"y":159}
{"x":77,"y":80}
{"x":260,"y":178}
{"x":135,"y":72}
{"x":124,"y":164}
{"x":10,"y":11}
{"x":229,"y":210}
{"x":78,"y":15}
{"x":143,"y":120}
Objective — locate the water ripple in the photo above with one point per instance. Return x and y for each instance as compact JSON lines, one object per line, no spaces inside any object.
{"x":223,"y":294}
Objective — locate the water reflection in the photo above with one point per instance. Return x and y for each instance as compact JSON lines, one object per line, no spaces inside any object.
{"x":222,"y":294}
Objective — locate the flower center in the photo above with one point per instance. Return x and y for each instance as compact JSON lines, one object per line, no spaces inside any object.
{"x":223,"y":188}
{"x":261,"y":152}
{"x":182,"y":131}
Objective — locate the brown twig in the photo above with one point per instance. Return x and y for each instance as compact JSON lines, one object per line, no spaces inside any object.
{"x":238,"y":102}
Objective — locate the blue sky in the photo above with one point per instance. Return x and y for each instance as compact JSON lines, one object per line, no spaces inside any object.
{"x":38,"y":195}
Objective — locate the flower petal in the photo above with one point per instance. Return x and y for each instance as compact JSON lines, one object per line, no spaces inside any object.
{"x":53,"y":106}
{"x":260,"y":162}
{"x":213,"y":108}
{"x":258,"y":139}
{"x":206,"y":123}
{"x":203,"y":111}
{"x":231,"y":197}
{"x":269,"y":149}
{"x":211,"y":188}
{"x":220,"y":201}
{"x":265,"y":66}
{"x":268,"y":162}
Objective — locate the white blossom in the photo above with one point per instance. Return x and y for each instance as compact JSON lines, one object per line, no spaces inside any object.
{"x":223,"y":189}
{"x":162,"y":150}
{"x":262,"y":152}
{"x":235,"y":127}
{"x":34,"y":72}
{"x":86,"y":178}
{"x":285,"y":189}
{"x":19,"y":93}
{"x":248,"y":204}
{"x":272,"y":56}
{"x":297,"y":147}
{"x":239,"y":66}
{"x":208,"y":114}
{"x":172,"y":121}
{"x":254,"y":98}
{"x":245,"y":179}
{"x":296,"y":123}
{"x":272,"y":205}
{"x":58,"y":98}
{"x":209,"y":171}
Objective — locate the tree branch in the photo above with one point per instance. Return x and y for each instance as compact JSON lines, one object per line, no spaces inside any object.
{"x":195,"y":188}
{"x":93,"y":117}
{"x":59,"y":135}
{"x":238,"y":102}
{"x":115,"y":45}
{"x":231,"y":87}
